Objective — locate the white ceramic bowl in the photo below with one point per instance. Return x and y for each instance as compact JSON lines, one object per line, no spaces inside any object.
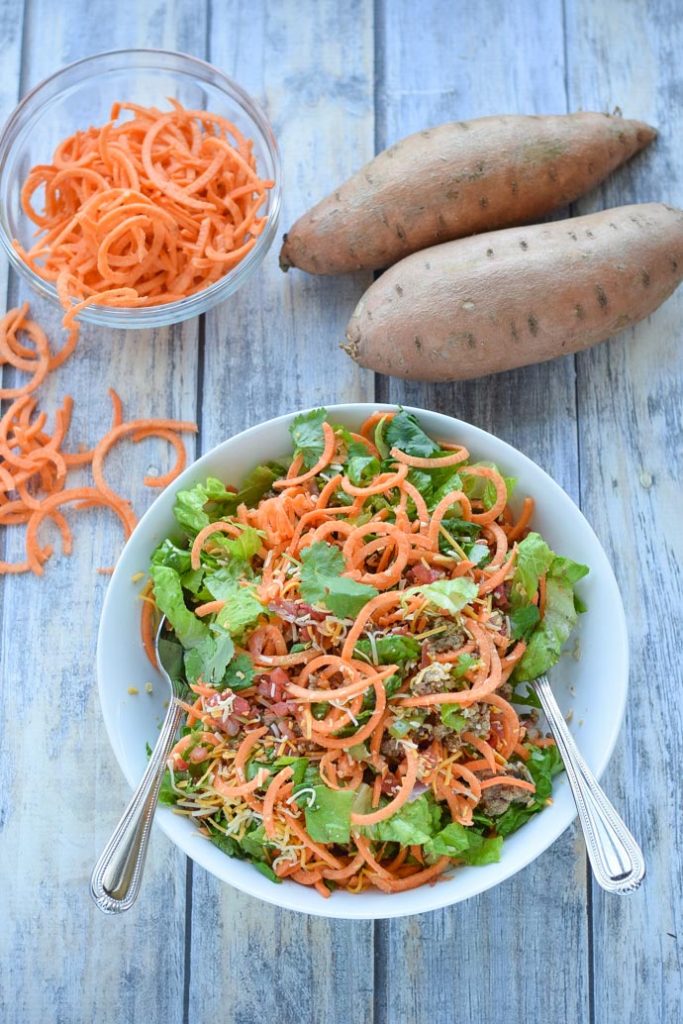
{"x":598,"y":679}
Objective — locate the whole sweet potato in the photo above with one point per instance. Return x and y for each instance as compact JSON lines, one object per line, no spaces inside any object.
{"x":508,"y":298}
{"x":457,"y":180}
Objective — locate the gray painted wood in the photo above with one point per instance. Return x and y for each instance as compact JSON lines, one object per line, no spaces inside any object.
{"x":61,"y":790}
{"x":475,"y":68}
{"x":269,"y":349}
{"x":607,"y":427}
{"x":631,"y":464}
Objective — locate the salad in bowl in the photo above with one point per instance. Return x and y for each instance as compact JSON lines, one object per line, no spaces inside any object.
{"x":357,"y":624}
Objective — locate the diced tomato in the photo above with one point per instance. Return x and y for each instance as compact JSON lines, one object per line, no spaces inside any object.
{"x":283,"y":707}
{"x":426,"y":658}
{"x":421,"y":574}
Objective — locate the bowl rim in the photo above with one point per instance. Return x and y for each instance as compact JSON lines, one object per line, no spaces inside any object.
{"x":182,"y":309}
{"x":431,"y":897}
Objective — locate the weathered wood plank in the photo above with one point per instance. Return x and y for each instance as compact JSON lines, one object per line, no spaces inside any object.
{"x":268,"y":350}
{"x":631,"y":463}
{"x":471,"y":64}
{"x":11,"y":26}
{"x":61,"y":790}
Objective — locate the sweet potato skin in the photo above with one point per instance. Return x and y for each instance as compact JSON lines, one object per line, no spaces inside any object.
{"x":456,"y":180}
{"x":493,"y":302}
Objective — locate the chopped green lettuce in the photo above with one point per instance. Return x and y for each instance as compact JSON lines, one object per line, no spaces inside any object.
{"x":523,"y":621}
{"x":209,"y":658}
{"x":257,"y":483}
{"x":322,"y":582}
{"x":168,"y":553}
{"x":190,"y":505}
{"x":168,"y":594}
{"x":466,"y":844}
{"x":559,"y":618}
{"x":533,"y":560}
{"x":414,"y":824}
{"x":542,"y":764}
{"x":328,"y":813}
{"x":241,"y":609}
{"x":451,"y":595}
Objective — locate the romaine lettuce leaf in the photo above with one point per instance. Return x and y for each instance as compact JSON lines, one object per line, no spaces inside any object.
{"x":322,"y":582}
{"x":414,"y":824}
{"x":533,"y":560}
{"x":168,"y":594}
{"x":543,"y":763}
{"x":559,"y":618}
{"x":451,"y":595}
{"x":190,"y":505}
{"x":464,"y":843}
{"x":328,"y":818}
{"x":240,"y":610}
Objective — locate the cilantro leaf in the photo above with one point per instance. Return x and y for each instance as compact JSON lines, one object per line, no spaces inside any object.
{"x":451,"y":595}
{"x":322,"y":582}
{"x":452,"y":717}
{"x":306,"y":431}
{"x":239,"y":674}
{"x":362,"y":466}
{"x":391,"y":650}
{"x":405,"y":433}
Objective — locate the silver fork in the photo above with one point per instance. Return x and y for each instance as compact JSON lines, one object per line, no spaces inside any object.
{"x":117,"y":876}
{"x":616,"y":858}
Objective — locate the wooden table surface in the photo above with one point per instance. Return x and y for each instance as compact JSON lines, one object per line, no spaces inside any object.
{"x":340,"y":81}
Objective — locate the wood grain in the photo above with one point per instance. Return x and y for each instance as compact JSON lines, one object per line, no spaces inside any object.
{"x":631,"y":464}
{"x":270,"y":349}
{"x":338,"y":82}
{"x":470,"y":67}
{"x":61,"y":791}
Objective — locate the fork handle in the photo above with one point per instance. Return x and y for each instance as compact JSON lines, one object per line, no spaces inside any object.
{"x":616,"y":858}
{"x":117,"y":876}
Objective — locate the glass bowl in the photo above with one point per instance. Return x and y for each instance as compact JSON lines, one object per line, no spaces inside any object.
{"x":81,"y":95}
